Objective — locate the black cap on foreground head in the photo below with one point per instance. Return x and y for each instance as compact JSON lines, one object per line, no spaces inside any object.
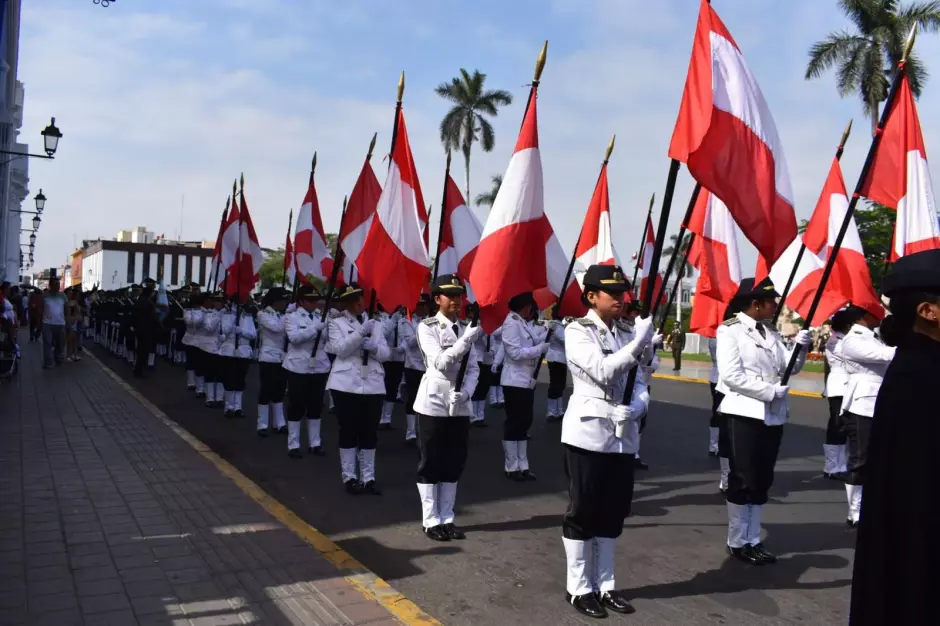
{"x":915,"y":272}
{"x":274,"y":294}
{"x":348,"y":292}
{"x":520,"y":301}
{"x":449,"y":285}
{"x":762,"y":290}
{"x":308,"y":292}
{"x":606,"y":278}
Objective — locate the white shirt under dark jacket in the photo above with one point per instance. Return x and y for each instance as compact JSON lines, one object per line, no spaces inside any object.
{"x":599,"y":371}
{"x":443,"y":352}
{"x":866,"y":361}
{"x":749,"y":368}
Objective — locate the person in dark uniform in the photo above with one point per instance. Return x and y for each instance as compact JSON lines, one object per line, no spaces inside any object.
{"x":145,"y":322}
{"x":895,"y":579}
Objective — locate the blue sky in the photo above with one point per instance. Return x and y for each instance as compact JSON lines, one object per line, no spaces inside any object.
{"x":171,"y":99}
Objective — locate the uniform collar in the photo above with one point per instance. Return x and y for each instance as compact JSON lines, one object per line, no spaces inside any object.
{"x":747,"y":320}
{"x":594,"y":317}
{"x":440,"y":317}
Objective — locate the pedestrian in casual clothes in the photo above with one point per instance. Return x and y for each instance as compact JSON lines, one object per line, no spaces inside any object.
{"x":53,"y":325}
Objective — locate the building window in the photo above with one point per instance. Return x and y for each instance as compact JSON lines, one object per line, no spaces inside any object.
{"x":131,"y":258}
{"x":174,"y":269}
{"x":189,"y":269}
{"x":202,"y":271}
{"x":145,"y":266}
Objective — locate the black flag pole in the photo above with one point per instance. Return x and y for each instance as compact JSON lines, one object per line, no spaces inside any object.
{"x":639,"y":252}
{"x":440,"y":231}
{"x":334,"y":274}
{"x":214,"y":281}
{"x":675,"y":249}
{"x":238,"y":260}
{"x":799,"y":256}
{"x":859,"y":187}
{"x":680,"y":272}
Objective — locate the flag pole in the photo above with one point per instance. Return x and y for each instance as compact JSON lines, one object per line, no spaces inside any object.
{"x":639,"y":252}
{"x":214,"y":281}
{"x":564,"y":285}
{"x":862,"y":178}
{"x":290,"y":223}
{"x":654,"y":262}
{"x":238,"y":264}
{"x":799,"y":256}
{"x":675,"y":250}
{"x":440,"y":231}
{"x":533,"y":90}
{"x":334,"y":273}
{"x":679,"y":275}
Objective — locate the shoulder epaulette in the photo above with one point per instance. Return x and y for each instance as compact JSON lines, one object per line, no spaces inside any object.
{"x":585,"y":321}
{"x":731,"y":322}
{"x":429,"y":321}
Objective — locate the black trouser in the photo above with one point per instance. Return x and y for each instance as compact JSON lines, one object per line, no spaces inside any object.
{"x":305,"y":395}
{"x":272,"y":383}
{"x":359,"y":417}
{"x":858,"y":433}
{"x":600,"y":493}
{"x":211,"y":367}
{"x":483,"y":383}
{"x":557,"y":379}
{"x":519,"y":413}
{"x":144,"y":346}
{"x":716,"y":402}
{"x":235,"y":372}
{"x":443,"y":445}
{"x":754,"y":449}
{"x":412,"y":381}
{"x":721,"y":423}
{"x":193,"y":360}
{"x":835,"y":428}
{"x":677,"y":359}
{"x":393,"y":374}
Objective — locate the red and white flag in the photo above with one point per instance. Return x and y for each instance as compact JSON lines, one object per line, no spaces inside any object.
{"x":726,"y":136}
{"x":556,"y":266}
{"x":360,"y":209}
{"x":715,"y":255}
{"x":394,"y":258}
{"x":228,"y":256}
{"x":646,"y":266}
{"x":460,"y":236}
{"x":290,"y":262}
{"x":595,"y":247}
{"x":312,"y":253}
{"x":512,"y":257}
{"x":900,"y":178}
{"x":243,"y":275}
{"x":216,"y":269}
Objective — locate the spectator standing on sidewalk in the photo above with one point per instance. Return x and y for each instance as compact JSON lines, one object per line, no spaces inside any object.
{"x":53,"y":325}
{"x":73,"y":314}
{"x":34,"y":313}
{"x":7,"y":310}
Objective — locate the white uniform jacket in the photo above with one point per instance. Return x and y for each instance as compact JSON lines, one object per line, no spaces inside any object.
{"x":396,"y":345}
{"x":599,"y":370}
{"x":408,"y":336}
{"x":556,"y":346}
{"x":443,"y":352}
{"x":301,"y":329}
{"x":713,"y":353}
{"x":272,"y":337}
{"x":749,"y":368}
{"x":349,"y":374}
{"x":245,"y":332}
{"x":866,"y":361}
{"x":192,"y":319}
{"x":211,"y":331}
{"x":838,"y":378}
{"x":522,"y":349}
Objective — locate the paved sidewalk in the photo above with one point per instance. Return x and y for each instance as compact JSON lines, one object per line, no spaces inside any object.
{"x":807,"y":382}
{"x":108,"y":517}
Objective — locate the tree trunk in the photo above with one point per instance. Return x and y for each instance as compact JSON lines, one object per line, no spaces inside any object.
{"x":874,"y":118}
{"x":466,"y":158}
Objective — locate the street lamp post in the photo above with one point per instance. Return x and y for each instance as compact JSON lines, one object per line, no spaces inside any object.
{"x":50,"y":140}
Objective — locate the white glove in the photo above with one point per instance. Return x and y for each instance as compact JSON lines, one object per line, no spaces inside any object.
{"x":644,"y":332}
{"x":456,"y":398}
{"x":366,"y":329}
{"x":369,"y":344}
{"x":620,"y":414}
{"x":780,"y":391}
{"x":657,"y":340}
{"x":472,"y":333}
{"x":803,"y":338}
{"x":494,"y":368}
{"x":544,"y":349}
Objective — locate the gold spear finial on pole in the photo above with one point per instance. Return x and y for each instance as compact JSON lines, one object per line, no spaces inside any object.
{"x":401,"y":86}
{"x":372,"y":145}
{"x":909,"y":44}
{"x":610,"y":148}
{"x":846,"y":133}
{"x":540,"y":63}
{"x":313,"y":166}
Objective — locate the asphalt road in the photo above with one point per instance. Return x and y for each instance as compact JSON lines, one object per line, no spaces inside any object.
{"x":511,"y":570}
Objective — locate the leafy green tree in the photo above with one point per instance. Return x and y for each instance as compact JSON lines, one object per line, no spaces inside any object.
{"x":866,"y":57}
{"x":488,"y":198}
{"x":466,"y":121}
{"x":272,"y":270}
{"x":876,"y":230}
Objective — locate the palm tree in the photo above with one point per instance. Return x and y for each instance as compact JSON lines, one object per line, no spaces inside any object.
{"x":867,"y":57}
{"x":681,"y":263}
{"x":488,"y":198}
{"x":465,"y":123}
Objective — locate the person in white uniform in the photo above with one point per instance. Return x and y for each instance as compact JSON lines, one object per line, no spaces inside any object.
{"x":557,"y":370}
{"x":238,"y":330}
{"x":395,"y":365}
{"x":599,"y":434}
{"x":496,"y":397}
{"x":752,"y":360}
{"x":307,"y":373}
{"x":485,"y":351}
{"x":212,"y":339}
{"x":866,"y":360}
{"x":835,"y":463}
{"x":414,"y":366}
{"x":272,"y":377}
{"x":192,"y":338}
{"x":444,"y":410}
{"x":357,"y":385}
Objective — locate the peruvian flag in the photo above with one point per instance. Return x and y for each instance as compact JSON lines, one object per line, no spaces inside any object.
{"x":726,"y":136}
{"x":290,"y":268}
{"x":360,"y":209}
{"x":216,"y":269}
{"x":715,"y":255}
{"x":394,"y":258}
{"x":513,"y":254}
{"x":312,"y":253}
{"x":246,"y":270}
{"x":460,"y":235}
{"x":595,"y":247}
{"x":646,"y":262}
{"x":899,"y":178}
{"x":228,"y":254}
{"x":556,"y":266}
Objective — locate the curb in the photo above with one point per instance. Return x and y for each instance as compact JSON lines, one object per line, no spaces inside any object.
{"x":368,"y":584}
{"x":686,"y":379}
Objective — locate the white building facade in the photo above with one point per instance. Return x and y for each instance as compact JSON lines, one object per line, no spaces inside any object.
{"x":111,"y":265}
{"x":13,"y":170}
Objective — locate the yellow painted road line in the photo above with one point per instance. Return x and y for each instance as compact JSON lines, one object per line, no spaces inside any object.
{"x":368,"y":584}
{"x":686,"y":379}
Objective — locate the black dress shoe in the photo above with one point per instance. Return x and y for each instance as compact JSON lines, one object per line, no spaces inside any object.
{"x":282,"y":430}
{"x":387,"y":426}
{"x":229,"y":414}
{"x":353,"y":487}
{"x":615,"y":601}
{"x":262,"y":432}
{"x":527,"y":475}
{"x":453,"y":532}
{"x":190,"y":387}
{"x":516,"y":476}
{"x":238,"y":413}
{"x":587,"y":604}
{"x":481,"y":424}
{"x":200,"y":394}
{"x":295,"y":453}
{"x":371,"y":488}
{"x":746,"y":554}
{"x":639,"y":464}
{"x":411,"y":442}
{"x":317,"y":451}
{"x":838,"y":476}
{"x":851,"y":524}
{"x":764,"y":553}
{"x":713,"y":453}
{"x":437,"y":533}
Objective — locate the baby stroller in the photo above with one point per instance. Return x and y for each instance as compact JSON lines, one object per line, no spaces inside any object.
{"x":9,"y":351}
